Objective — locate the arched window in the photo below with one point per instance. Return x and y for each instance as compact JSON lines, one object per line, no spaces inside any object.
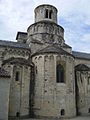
{"x":60,"y":74}
{"x":62,"y":112}
{"x":50,"y":14}
{"x":46,"y":13}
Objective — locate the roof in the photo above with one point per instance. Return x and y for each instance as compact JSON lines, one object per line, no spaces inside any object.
{"x":14,"y":44}
{"x":52,"y":48}
{"x":20,"y":61}
{"x":81,"y":55}
{"x":3,"y":73}
{"x":82,"y":67}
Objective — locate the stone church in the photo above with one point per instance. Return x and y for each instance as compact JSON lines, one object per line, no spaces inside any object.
{"x":40,"y":75}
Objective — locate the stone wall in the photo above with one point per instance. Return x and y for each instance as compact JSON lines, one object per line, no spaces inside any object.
{"x":19,"y":90}
{"x":21,"y":37}
{"x":83,"y":88}
{"x":52,"y":97}
{"x":14,"y":52}
{"x":4,"y":97}
{"x":82,"y":61}
{"x":2,"y":49}
{"x":44,"y":32}
{"x":45,"y":27}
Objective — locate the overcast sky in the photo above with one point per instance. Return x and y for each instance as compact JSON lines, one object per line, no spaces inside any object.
{"x":73,"y":16}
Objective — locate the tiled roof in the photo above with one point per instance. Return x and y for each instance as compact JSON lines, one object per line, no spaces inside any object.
{"x":3,"y":73}
{"x":53,"y":48}
{"x":20,"y":61}
{"x":81,"y":55}
{"x":14,"y":44}
{"x":82,"y":67}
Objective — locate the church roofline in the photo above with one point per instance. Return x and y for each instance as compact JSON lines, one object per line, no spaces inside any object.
{"x":12,"y":44}
{"x":81,"y":55}
{"x":52,"y":49}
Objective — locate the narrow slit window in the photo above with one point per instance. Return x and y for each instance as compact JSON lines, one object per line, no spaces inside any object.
{"x":46,"y":14}
{"x":89,"y":80}
{"x":89,"y":110}
{"x":50,"y":14}
{"x":17,"y":76}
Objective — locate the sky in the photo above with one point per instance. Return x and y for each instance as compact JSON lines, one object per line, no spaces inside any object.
{"x":73,"y":16}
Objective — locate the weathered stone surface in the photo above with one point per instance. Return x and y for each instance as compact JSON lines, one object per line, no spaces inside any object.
{"x":50,"y":96}
{"x":4,"y":97}
{"x":40,"y":13}
{"x":47,"y":80}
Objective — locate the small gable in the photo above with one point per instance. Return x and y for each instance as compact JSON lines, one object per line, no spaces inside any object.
{"x":82,"y":67}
